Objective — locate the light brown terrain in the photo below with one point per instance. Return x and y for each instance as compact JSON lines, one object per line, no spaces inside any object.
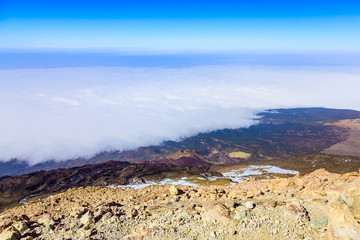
{"x":351,"y":146}
{"x":319,"y":205}
{"x":239,"y":154}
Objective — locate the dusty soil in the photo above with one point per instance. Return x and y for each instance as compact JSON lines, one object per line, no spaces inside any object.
{"x":301,"y":207}
{"x":351,"y":145}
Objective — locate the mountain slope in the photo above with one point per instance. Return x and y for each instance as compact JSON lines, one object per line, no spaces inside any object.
{"x":281,"y":133}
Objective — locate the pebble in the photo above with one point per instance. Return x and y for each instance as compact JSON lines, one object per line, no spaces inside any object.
{"x":249,"y":205}
{"x":240,"y":215}
{"x":133,"y":213}
{"x":319,"y":222}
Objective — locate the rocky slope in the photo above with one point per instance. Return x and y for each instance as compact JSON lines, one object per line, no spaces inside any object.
{"x":15,"y":188}
{"x":319,"y":205}
{"x":181,"y":165}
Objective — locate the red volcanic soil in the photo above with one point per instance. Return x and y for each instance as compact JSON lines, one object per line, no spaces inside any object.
{"x":183,"y":161}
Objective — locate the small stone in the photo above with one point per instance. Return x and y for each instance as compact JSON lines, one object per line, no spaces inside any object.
{"x":230,"y":204}
{"x":47,"y":228}
{"x":240,"y":215}
{"x":249,"y":194}
{"x":275,"y":231}
{"x":319,"y":222}
{"x":133,"y":213}
{"x":46,"y":220}
{"x":173,"y":190}
{"x":249,"y":205}
{"x":27,"y":238}
{"x":77,"y":211}
{"x":185,"y":215}
{"x":213,"y":234}
{"x":233,"y":232}
{"x":86,"y":233}
{"x":86,"y":219}
{"x":300,"y":236}
{"x":21,"y":226}
{"x":176,"y":198}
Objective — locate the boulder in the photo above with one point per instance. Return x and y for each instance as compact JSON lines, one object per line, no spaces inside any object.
{"x":46,"y":220}
{"x":21,"y":226}
{"x":87,"y":219}
{"x":173,"y":190}
{"x":351,"y":196}
{"x":10,"y":234}
{"x":217,"y":213}
{"x":342,"y":224}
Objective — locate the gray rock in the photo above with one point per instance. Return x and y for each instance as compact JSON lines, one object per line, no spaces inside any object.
{"x":319,"y":222}
{"x":240,"y":215}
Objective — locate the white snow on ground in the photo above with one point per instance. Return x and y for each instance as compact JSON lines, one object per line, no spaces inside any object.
{"x":136,"y":185}
{"x":240,"y":174}
{"x":236,"y":176}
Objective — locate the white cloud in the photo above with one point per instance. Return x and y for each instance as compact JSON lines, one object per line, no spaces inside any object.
{"x":67,"y":101}
{"x":65,"y":113}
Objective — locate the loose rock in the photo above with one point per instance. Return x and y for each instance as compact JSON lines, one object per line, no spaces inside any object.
{"x":249,"y":205}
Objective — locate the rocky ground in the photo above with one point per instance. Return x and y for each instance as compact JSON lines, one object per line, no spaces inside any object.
{"x":15,"y":188}
{"x":319,"y":205}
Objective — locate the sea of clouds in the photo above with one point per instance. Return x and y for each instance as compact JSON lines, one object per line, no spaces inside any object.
{"x":63,"y":113}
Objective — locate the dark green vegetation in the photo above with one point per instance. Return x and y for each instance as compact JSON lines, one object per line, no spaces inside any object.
{"x":307,"y":115}
{"x":281,"y":133}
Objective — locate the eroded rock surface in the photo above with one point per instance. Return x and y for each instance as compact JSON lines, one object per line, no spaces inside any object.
{"x":301,"y":207}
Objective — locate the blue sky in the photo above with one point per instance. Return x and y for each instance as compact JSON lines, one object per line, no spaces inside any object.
{"x":156,"y":27}
{"x":81,"y":77}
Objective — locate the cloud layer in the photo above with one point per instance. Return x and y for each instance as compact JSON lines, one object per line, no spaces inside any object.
{"x":70,"y":112}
